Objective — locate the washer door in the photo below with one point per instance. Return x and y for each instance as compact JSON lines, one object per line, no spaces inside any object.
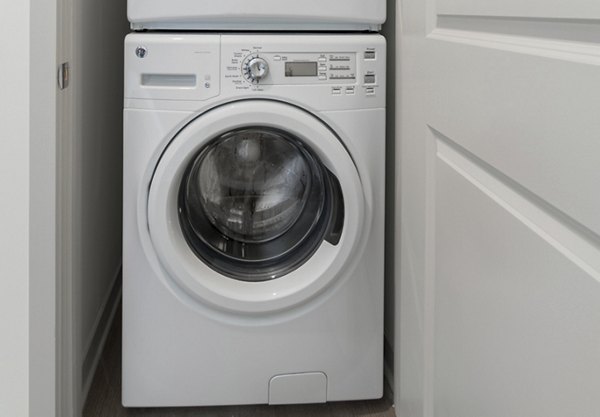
{"x":255,"y":206}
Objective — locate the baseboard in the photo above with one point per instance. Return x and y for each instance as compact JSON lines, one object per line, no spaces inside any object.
{"x":94,"y":347}
{"x":388,"y":364}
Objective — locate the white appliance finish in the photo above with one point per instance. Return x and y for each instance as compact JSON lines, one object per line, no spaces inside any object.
{"x":193,"y":336}
{"x":321,"y":15}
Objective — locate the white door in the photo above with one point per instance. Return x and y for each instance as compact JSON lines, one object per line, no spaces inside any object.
{"x":499,"y":232}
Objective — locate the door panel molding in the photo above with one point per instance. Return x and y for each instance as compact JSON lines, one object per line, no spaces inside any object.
{"x":557,"y":9}
{"x":530,"y":117}
{"x":573,"y":30}
{"x":517,"y":323}
{"x":571,"y":239}
{"x":576,"y":52}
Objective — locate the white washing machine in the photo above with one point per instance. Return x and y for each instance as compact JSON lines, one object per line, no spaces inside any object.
{"x":330,"y":15}
{"x":253,"y":218}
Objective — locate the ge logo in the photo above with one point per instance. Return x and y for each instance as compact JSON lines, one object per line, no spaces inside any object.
{"x":141,"y":51}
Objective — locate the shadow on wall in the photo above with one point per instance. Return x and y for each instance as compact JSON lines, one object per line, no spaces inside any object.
{"x":99,"y":32}
{"x":391,"y":263}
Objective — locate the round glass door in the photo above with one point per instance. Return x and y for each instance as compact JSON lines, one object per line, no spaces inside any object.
{"x":254,"y":206}
{"x":255,"y":203}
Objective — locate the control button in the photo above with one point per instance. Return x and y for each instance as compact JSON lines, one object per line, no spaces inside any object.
{"x":255,"y":69}
{"x":370,"y":79}
{"x":339,"y":58}
{"x":370,"y":91}
{"x":340,"y":68}
{"x":336,"y":91}
{"x":350,"y":91}
{"x":342,"y":77}
{"x":277,"y":58}
{"x":322,"y":59}
{"x":322,"y":68}
{"x":322,"y":76}
{"x":370,"y":55}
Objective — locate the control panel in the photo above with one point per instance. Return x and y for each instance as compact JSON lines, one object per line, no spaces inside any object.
{"x":326,"y":70}
{"x":324,"y":65}
{"x":281,"y":68}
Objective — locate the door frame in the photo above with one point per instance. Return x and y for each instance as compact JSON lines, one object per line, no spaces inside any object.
{"x":69,"y":401}
{"x":44,"y":252}
{"x":53,"y":365}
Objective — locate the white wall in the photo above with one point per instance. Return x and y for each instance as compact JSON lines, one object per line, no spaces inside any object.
{"x":14,"y":209}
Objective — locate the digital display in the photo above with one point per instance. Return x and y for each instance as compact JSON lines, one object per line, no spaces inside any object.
{"x":301,"y":69}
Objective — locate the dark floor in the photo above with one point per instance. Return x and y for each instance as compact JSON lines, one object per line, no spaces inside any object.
{"x":104,"y":399}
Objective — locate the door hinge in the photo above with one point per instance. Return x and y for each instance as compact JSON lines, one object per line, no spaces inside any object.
{"x":64,"y":75}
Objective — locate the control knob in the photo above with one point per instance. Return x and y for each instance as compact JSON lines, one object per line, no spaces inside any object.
{"x":256,"y":69}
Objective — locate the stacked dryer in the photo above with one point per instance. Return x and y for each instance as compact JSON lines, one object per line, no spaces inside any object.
{"x":253,"y":202}
{"x":258,"y":15}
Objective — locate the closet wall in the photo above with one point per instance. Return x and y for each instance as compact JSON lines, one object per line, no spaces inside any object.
{"x":99,"y":28}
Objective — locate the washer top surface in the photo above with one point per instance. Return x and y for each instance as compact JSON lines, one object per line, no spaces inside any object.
{"x":257,"y":15}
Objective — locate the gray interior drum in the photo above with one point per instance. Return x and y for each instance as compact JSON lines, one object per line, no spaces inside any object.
{"x":255,"y":203}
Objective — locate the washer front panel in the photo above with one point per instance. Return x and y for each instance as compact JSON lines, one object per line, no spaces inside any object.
{"x":325,"y":72}
{"x":192,"y":274}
